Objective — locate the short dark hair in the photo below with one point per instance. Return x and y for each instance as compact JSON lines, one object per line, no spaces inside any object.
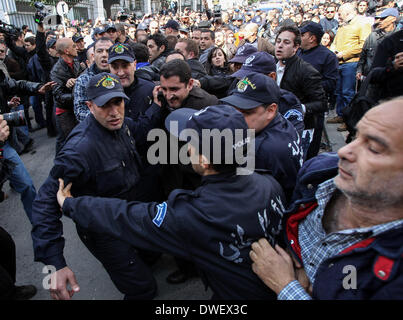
{"x":172,"y":40}
{"x":176,"y":52}
{"x":31,"y":40}
{"x":191,"y":46}
{"x":178,"y":68}
{"x":137,"y":30}
{"x":102,"y":39}
{"x":293,"y":29}
{"x":120,"y":27}
{"x":212,"y":33}
{"x":141,"y":52}
{"x":160,"y":40}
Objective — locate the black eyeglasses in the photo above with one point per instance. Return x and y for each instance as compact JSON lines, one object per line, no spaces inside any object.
{"x":329,"y":11}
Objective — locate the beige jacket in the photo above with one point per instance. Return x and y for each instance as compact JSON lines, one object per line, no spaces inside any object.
{"x":350,"y":39}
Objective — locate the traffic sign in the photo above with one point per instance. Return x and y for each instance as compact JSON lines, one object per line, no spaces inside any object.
{"x":62,"y":8}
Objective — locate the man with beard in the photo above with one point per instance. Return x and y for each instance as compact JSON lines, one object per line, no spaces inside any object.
{"x":348,"y":211}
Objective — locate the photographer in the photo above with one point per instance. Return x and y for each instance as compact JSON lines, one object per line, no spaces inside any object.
{"x":47,"y":57}
{"x":8,"y":289}
{"x":14,"y":40}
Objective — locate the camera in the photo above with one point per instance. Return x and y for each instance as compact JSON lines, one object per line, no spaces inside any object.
{"x":15,"y":119}
{"x":41,"y":12}
{"x":217,"y":11}
{"x":9,"y":30}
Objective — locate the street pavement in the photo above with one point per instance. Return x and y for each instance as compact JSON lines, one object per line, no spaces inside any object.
{"x":93,"y":280}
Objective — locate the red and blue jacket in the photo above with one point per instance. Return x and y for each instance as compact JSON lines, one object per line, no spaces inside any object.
{"x":377,"y":260}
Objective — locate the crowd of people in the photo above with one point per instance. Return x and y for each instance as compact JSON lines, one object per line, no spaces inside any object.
{"x":284,"y":231}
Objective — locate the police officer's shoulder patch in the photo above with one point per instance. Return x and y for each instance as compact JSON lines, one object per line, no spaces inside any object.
{"x":160,"y":215}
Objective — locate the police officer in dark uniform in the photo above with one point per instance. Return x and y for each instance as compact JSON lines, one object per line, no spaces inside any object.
{"x":289,"y":105}
{"x":278,"y":145}
{"x":123,"y":64}
{"x":78,"y":39}
{"x":214,"y":225}
{"x":101,"y":158}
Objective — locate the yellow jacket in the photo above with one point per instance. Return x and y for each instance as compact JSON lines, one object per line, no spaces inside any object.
{"x":350,"y":39}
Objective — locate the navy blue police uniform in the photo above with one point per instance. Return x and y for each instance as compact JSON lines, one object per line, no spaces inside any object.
{"x":140,"y":92}
{"x":213,"y":226}
{"x":98,"y":162}
{"x":288,"y":105}
{"x":278,"y":145}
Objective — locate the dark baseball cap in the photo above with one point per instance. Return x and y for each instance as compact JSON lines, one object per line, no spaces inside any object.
{"x":261,"y":62}
{"x":314,"y":28}
{"x":51,"y":42}
{"x":219,"y":117}
{"x":252,"y":91}
{"x":99,"y":30}
{"x":243,"y":53}
{"x":387,"y":13}
{"x":142,"y":26}
{"x":110,"y":26}
{"x":172,"y":24}
{"x":103,"y":87}
{"x":77,"y":37}
{"x":121,"y":51}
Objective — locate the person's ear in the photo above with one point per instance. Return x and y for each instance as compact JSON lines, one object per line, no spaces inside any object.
{"x":90,"y":106}
{"x":190,"y":84}
{"x":271,"y":111}
{"x":273,"y":75}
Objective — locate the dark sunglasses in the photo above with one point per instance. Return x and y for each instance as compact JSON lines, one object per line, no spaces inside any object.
{"x":329,"y":11}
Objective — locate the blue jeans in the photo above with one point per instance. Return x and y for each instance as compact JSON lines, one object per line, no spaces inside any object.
{"x":345,"y":88}
{"x":20,"y":180}
{"x":36,"y":103}
{"x":23,"y":128}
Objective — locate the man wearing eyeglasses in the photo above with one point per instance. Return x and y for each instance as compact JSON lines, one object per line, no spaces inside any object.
{"x":329,"y":22}
{"x":110,"y":32}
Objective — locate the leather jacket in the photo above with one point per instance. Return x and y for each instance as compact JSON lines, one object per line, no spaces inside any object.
{"x":60,"y":73}
{"x":303,"y":80}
